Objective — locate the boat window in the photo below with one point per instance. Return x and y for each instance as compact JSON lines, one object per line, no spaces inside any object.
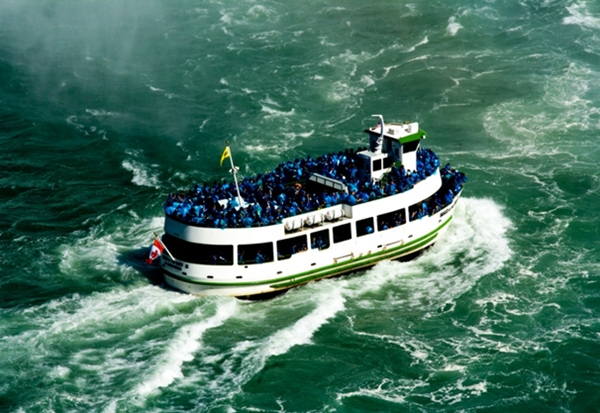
{"x":387,"y":162}
{"x":364,"y":227}
{"x":319,"y":239}
{"x":376,"y":165}
{"x":342,"y":233}
{"x":288,"y":247}
{"x":255,"y":253}
{"x":418,"y":210}
{"x":410,"y":146}
{"x":391,"y":219}
{"x":199,"y":253}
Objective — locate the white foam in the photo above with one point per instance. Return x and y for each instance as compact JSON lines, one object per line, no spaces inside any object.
{"x":453,"y":26}
{"x":367,"y":80}
{"x":257,"y":11}
{"x":388,"y":69}
{"x":76,"y":313}
{"x":303,"y":330}
{"x":294,"y":135}
{"x":154,"y":89}
{"x":416,"y":59}
{"x":581,"y":16}
{"x":275,"y":150}
{"x":60,"y":372}
{"x":421,"y":43}
{"x":92,"y":335}
{"x":248,"y":357}
{"x":100,"y":113}
{"x":272,"y":113}
{"x":344,"y":91}
{"x":300,"y":333}
{"x":454,"y":367}
{"x":477,"y":234}
{"x":226,"y":18}
{"x":111,"y":407}
{"x":496,"y":298}
{"x":524,"y":126}
{"x":74,"y":121}
{"x":182,"y":348}
{"x":142,"y":176}
{"x":393,"y":391}
{"x":100,"y":249}
{"x":432,"y":282}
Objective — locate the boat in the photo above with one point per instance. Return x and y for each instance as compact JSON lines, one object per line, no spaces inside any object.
{"x":311,"y":218}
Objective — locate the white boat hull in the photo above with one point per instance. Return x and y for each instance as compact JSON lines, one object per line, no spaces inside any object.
{"x":402,"y":242}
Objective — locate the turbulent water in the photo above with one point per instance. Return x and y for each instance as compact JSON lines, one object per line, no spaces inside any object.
{"x":108,"y":106}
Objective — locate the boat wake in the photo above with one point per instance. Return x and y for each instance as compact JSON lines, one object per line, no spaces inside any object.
{"x":183,"y":346}
{"x":475,"y":245}
{"x":218,"y":370}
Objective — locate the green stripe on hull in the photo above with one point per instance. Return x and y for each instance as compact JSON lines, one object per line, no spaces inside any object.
{"x":331,"y":270}
{"x":352,"y":265}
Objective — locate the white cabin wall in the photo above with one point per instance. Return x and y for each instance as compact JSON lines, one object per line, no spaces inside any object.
{"x":409,"y":160}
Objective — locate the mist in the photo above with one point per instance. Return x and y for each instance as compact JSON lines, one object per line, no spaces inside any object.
{"x":80,"y":52}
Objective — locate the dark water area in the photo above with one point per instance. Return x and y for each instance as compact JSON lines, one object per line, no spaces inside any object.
{"x":108,"y":106}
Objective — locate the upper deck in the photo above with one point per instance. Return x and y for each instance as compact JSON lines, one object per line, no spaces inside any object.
{"x":288,"y":190}
{"x":393,"y":163}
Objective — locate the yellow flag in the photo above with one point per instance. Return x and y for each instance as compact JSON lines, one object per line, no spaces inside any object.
{"x":225,"y":155}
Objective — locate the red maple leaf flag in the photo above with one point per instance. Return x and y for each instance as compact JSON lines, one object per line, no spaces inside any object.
{"x":155,"y":251}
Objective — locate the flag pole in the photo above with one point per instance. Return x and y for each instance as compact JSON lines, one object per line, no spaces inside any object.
{"x":164,"y":246}
{"x":234,"y":170}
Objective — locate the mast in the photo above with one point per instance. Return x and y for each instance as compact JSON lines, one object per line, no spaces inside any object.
{"x":233,"y":170}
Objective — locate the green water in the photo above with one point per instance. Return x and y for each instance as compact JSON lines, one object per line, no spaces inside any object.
{"x":108,"y":106}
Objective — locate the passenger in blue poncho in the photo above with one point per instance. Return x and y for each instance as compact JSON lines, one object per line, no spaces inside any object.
{"x":259,"y":258}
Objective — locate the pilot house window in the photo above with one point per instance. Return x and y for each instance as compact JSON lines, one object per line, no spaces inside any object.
{"x":376,"y":165}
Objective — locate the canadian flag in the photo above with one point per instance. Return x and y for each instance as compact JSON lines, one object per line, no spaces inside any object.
{"x":155,"y":251}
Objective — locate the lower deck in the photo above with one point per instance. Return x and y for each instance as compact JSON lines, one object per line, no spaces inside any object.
{"x":346,"y":246}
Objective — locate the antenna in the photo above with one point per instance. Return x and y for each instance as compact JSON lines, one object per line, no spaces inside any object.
{"x":379,"y":143}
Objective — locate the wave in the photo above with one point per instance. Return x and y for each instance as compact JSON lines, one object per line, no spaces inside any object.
{"x":536,"y":127}
{"x":453,"y":26}
{"x":256,"y":11}
{"x":82,"y":342}
{"x":396,"y":392}
{"x":271,"y":113}
{"x":219,"y":375}
{"x":421,"y":43}
{"x":182,"y":347}
{"x":102,"y":249}
{"x":581,"y":16}
{"x":476,"y":244}
{"x":142,"y":174}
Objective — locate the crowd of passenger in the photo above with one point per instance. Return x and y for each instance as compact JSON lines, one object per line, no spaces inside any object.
{"x":452,"y":183}
{"x":270,"y":197}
